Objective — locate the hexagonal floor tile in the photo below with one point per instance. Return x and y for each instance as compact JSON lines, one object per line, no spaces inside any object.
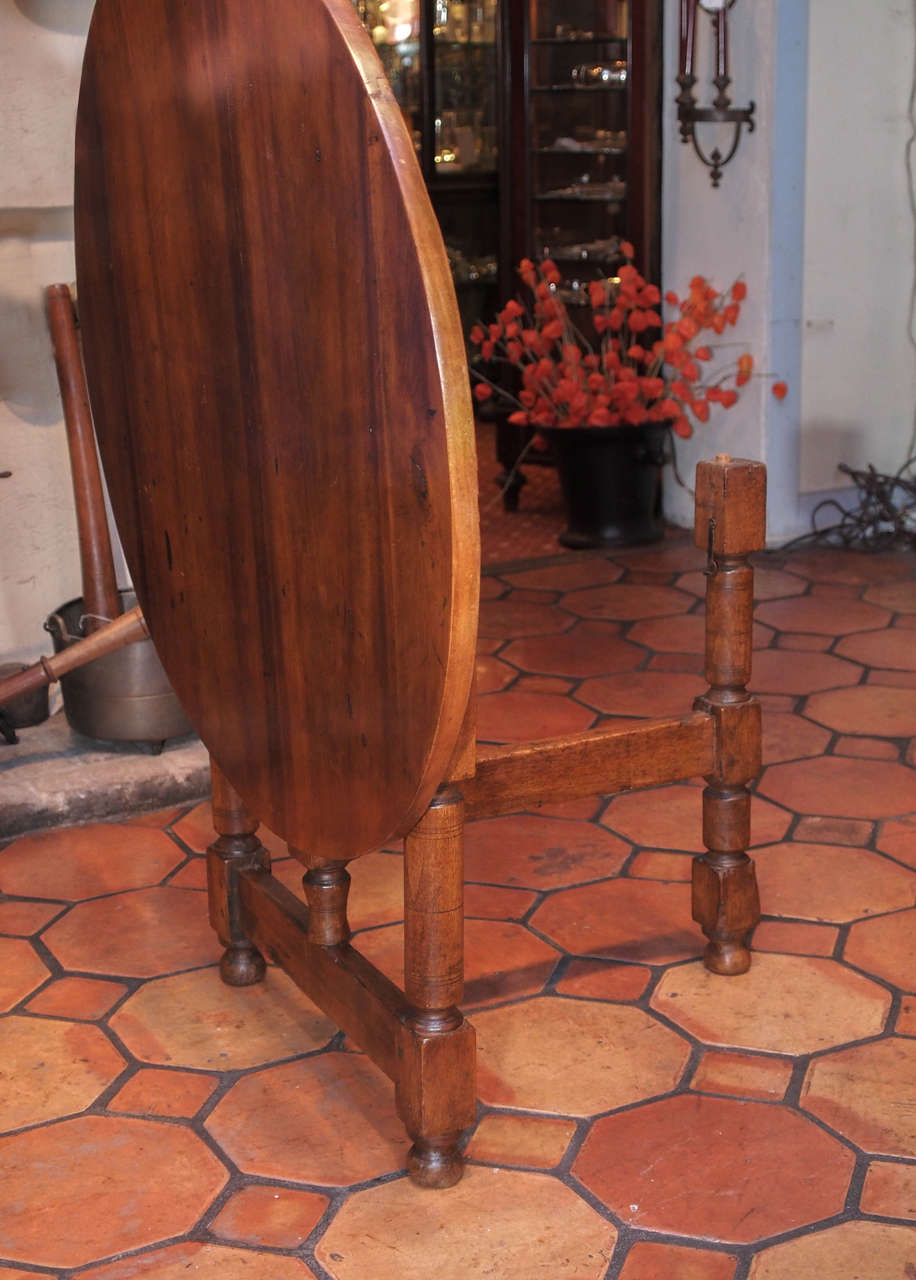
{"x":589,"y":649}
{"x":158,"y":1179}
{"x":195,"y":1020}
{"x":898,"y":838}
{"x":866,"y":1093}
{"x":490,"y":902}
{"x":526,"y":717}
{"x":686,"y":635}
{"x":672,"y":818}
{"x":834,"y":564}
{"x":21,"y":971}
{"x":773,"y":672}
{"x":886,"y":947}
{"x":839,"y":786}
{"x":851,"y":1251}
{"x":204,"y":1262}
{"x":628,"y":602}
{"x":784,"y":1004}
{"x":517,"y":1226}
{"x":791,"y":737}
{"x":50,"y":1069}
{"x":509,"y":618}
{"x":770,"y":584}
{"x":642,"y":693}
{"x":574,"y":1057}
{"x":328,"y":1120}
{"x":137,"y":935}
{"x":502,"y":960}
{"x":891,"y":648}
{"x":897,"y":596}
{"x":82,"y":862}
{"x":540,"y":853}
{"x":663,"y":1167}
{"x":491,"y":674}
{"x":641,"y":920}
{"x":831,"y":882}
{"x":869,"y":708}
{"x":566,"y":576}
{"x":677,"y":556}
{"x":823,"y":615}
{"x":23,"y":919}
{"x":866,"y":748}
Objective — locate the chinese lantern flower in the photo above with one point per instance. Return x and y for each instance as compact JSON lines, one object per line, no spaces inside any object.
{"x":626,"y":366}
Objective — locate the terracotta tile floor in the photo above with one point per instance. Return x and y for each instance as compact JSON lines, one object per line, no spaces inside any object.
{"x":639,"y":1118}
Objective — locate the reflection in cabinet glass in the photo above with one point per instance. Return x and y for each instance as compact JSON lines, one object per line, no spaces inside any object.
{"x":441,"y":59}
{"x":581,"y":143}
{"x":585,"y":146}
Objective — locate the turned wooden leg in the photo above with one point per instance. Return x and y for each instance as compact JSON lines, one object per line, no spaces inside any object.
{"x":237,"y":848}
{"x":327,"y":888}
{"x":436,"y":1091}
{"x":730,"y":523}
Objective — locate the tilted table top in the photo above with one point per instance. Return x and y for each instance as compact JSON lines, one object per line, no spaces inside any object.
{"x":279,"y":386}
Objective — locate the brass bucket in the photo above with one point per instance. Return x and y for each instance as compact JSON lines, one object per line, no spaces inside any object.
{"x":124,"y":696}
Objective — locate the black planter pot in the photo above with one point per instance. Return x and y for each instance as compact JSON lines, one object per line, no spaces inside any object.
{"x":611,"y":478}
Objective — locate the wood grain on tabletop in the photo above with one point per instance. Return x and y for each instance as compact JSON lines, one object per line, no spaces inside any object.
{"x":279,"y":384}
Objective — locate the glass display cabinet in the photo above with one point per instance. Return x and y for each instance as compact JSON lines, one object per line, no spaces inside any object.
{"x":441,"y":59}
{"x":582,"y":135}
{"x":537,"y":127}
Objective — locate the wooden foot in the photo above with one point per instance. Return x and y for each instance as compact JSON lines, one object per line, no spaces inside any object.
{"x":236,"y":849}
{"x":726,"y":906}
{"x":435,"y":1091}
{"x":241,"y":965}
{"x":436,"y":1163}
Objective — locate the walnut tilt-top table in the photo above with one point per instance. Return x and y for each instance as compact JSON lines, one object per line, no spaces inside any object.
{"x":280,"y":391}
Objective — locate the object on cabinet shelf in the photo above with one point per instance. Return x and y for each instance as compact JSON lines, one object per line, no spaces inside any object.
{"x":721,"y":111}
{"x":590,"y":104}
{"x":441,"y":61}
{"x":605,"y":142}
{"x":585,"y":189}
{"x":598,"y":73}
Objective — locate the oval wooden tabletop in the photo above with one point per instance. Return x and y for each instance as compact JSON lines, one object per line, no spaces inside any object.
{"x":280,"y":392}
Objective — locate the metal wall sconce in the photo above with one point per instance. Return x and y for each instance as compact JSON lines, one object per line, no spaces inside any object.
{"x":721,"y":111}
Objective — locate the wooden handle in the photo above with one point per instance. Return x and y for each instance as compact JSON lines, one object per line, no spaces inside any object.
{"x":100,"y":588}
{"x":127,"y":629}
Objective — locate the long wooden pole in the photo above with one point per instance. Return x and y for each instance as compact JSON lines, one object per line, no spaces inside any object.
{"x":127,"y":629}
{"x":100,"y":587}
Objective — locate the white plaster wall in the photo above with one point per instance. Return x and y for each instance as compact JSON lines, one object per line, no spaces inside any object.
{"x":41,"y":45}
{"x":725,"y":232}
{"x":858,"y":365}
